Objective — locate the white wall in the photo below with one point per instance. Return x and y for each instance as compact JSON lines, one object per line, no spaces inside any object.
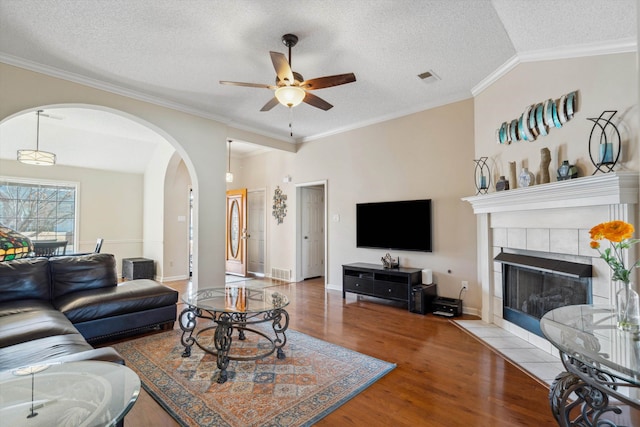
{"x":424,"y":155}
{"x":110,"y":205}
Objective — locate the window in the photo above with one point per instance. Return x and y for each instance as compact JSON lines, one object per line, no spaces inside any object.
{"x":39,"y":210}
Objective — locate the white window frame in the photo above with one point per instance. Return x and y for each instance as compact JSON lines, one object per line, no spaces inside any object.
{"x":37,"y":181}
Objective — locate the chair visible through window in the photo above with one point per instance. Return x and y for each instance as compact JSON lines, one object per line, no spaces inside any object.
{"x":49,"y":248}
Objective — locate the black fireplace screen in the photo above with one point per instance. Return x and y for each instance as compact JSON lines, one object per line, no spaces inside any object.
{"x":534,"y":293}
{"x":530,"y":292}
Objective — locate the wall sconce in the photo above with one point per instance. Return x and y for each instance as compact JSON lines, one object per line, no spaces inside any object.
{"x":229,"y":174}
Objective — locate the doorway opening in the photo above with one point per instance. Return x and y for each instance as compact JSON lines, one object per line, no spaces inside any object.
{"x":311,"y":226}
{"x":256,"y":232}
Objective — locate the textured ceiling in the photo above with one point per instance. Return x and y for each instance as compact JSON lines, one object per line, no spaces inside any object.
{"x":175,"y":52}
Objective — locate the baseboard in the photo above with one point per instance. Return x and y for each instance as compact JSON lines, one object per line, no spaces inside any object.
{"x":171,"y":278}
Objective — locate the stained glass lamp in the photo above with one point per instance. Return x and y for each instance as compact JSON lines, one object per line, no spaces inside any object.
{"x":13,"y":245}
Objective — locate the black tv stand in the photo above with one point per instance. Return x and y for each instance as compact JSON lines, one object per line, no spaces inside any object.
{"x":376,"y":281}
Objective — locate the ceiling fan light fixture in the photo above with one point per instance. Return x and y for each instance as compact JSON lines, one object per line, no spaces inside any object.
{"x":37,"y":157}
{"x":290,"y":96}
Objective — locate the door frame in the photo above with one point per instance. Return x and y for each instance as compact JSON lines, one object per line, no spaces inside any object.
{"x":299,"y":234}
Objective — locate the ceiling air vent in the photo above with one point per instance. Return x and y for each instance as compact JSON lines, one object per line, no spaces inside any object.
{"x":428,"y":76}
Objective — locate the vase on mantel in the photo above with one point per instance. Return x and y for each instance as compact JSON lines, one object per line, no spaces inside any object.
{"x":628,"y":308}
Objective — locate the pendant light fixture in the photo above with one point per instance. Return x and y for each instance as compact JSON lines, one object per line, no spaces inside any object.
{"x":37,"y":157}
{"x":229,"y":174}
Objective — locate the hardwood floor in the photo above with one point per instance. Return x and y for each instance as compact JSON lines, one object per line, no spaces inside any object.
{"x":444,"y":376}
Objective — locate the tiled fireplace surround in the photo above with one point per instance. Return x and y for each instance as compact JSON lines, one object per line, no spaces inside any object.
{"x":550,"y":220}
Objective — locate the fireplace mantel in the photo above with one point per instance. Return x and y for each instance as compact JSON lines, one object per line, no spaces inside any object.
{"x":605,"y":189}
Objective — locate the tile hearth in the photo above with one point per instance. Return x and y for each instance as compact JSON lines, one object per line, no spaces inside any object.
{"x":538,"y":363}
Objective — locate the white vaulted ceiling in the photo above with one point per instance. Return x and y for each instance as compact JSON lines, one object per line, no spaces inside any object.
{"x":175,"y":52}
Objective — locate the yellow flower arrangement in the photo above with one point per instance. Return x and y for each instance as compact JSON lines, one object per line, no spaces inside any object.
{"x":619,"y":234}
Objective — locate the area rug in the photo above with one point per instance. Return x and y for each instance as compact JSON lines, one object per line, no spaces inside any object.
{"x":315,"y":378}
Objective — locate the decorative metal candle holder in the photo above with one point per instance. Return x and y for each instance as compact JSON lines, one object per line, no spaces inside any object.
{"x":604,"y":141}
{"x":482,"y":176}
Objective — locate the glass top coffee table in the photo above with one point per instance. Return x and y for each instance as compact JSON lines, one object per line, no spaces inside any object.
{"x":220,"y":311}
{"x":87,"y":393}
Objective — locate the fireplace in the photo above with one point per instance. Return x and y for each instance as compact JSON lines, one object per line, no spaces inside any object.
{"x":535,"y":285}
{"x":549,"y":221}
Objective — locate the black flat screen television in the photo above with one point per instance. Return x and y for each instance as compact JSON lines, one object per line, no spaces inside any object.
{"x":400,"y":225}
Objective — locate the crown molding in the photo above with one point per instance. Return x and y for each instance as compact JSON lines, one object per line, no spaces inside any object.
{"x":593,"y":49}
{"x":107,"y":87}
{"x":509,"y":65}
{"x":396,"y":115}
{"x":604,"y":48}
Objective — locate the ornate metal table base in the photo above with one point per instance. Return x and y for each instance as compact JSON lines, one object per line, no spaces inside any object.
{"x":588,"y":389}
{"x":224,"y":325}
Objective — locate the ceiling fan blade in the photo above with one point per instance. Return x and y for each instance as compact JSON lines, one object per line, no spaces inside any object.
{"x":269,"y":105}
{"x":283,"y":70}
{"x":317,"y":102}
{"x":258,"y":85}
{"x":328,"y":81}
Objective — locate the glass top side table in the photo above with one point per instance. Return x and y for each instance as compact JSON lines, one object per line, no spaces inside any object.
{"x":87,"y":393}
{"x":602,"y":364}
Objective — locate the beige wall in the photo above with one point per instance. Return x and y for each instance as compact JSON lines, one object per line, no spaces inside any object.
{"x":423,"y":155}
{"x":199,"y":141}
{"x":606,"y":82}
{"x":109,"y":205}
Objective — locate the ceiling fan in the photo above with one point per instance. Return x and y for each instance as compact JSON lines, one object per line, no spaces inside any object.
{"x":290,"y":88}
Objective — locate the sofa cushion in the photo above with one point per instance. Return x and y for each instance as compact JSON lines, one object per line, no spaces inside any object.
{"x":31,"y":325}
{"x":26,"y":278}
{"x":14,"y":307}
{"x":71,"y":346}
{"x":82,"y":272}
{"x":128,"y":297}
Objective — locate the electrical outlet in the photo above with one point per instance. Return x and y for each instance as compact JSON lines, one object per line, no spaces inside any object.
{"x":465,"y":285}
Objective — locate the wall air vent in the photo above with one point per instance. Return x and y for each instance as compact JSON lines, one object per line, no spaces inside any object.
{"x":281,"y":274}
{"x":428,"y":76}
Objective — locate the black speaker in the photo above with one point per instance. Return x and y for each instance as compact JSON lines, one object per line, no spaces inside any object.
{"x":421,"y":298}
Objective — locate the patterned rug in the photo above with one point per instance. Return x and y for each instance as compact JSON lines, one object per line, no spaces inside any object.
{"x":315,"y":378}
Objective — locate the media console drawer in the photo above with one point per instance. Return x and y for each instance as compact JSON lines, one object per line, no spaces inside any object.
{"x":377,"y":281}
{"x":358,"y":284}
{"x":391,"y":290}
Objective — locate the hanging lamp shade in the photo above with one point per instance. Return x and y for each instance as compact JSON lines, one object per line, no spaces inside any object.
{"x":37,"y":156}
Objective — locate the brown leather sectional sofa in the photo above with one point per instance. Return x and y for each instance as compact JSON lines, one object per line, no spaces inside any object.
{"x":51,"y":308}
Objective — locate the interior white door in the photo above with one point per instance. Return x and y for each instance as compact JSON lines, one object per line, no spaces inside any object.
{"x":256,"y":232}
{"x":312,"y":221}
